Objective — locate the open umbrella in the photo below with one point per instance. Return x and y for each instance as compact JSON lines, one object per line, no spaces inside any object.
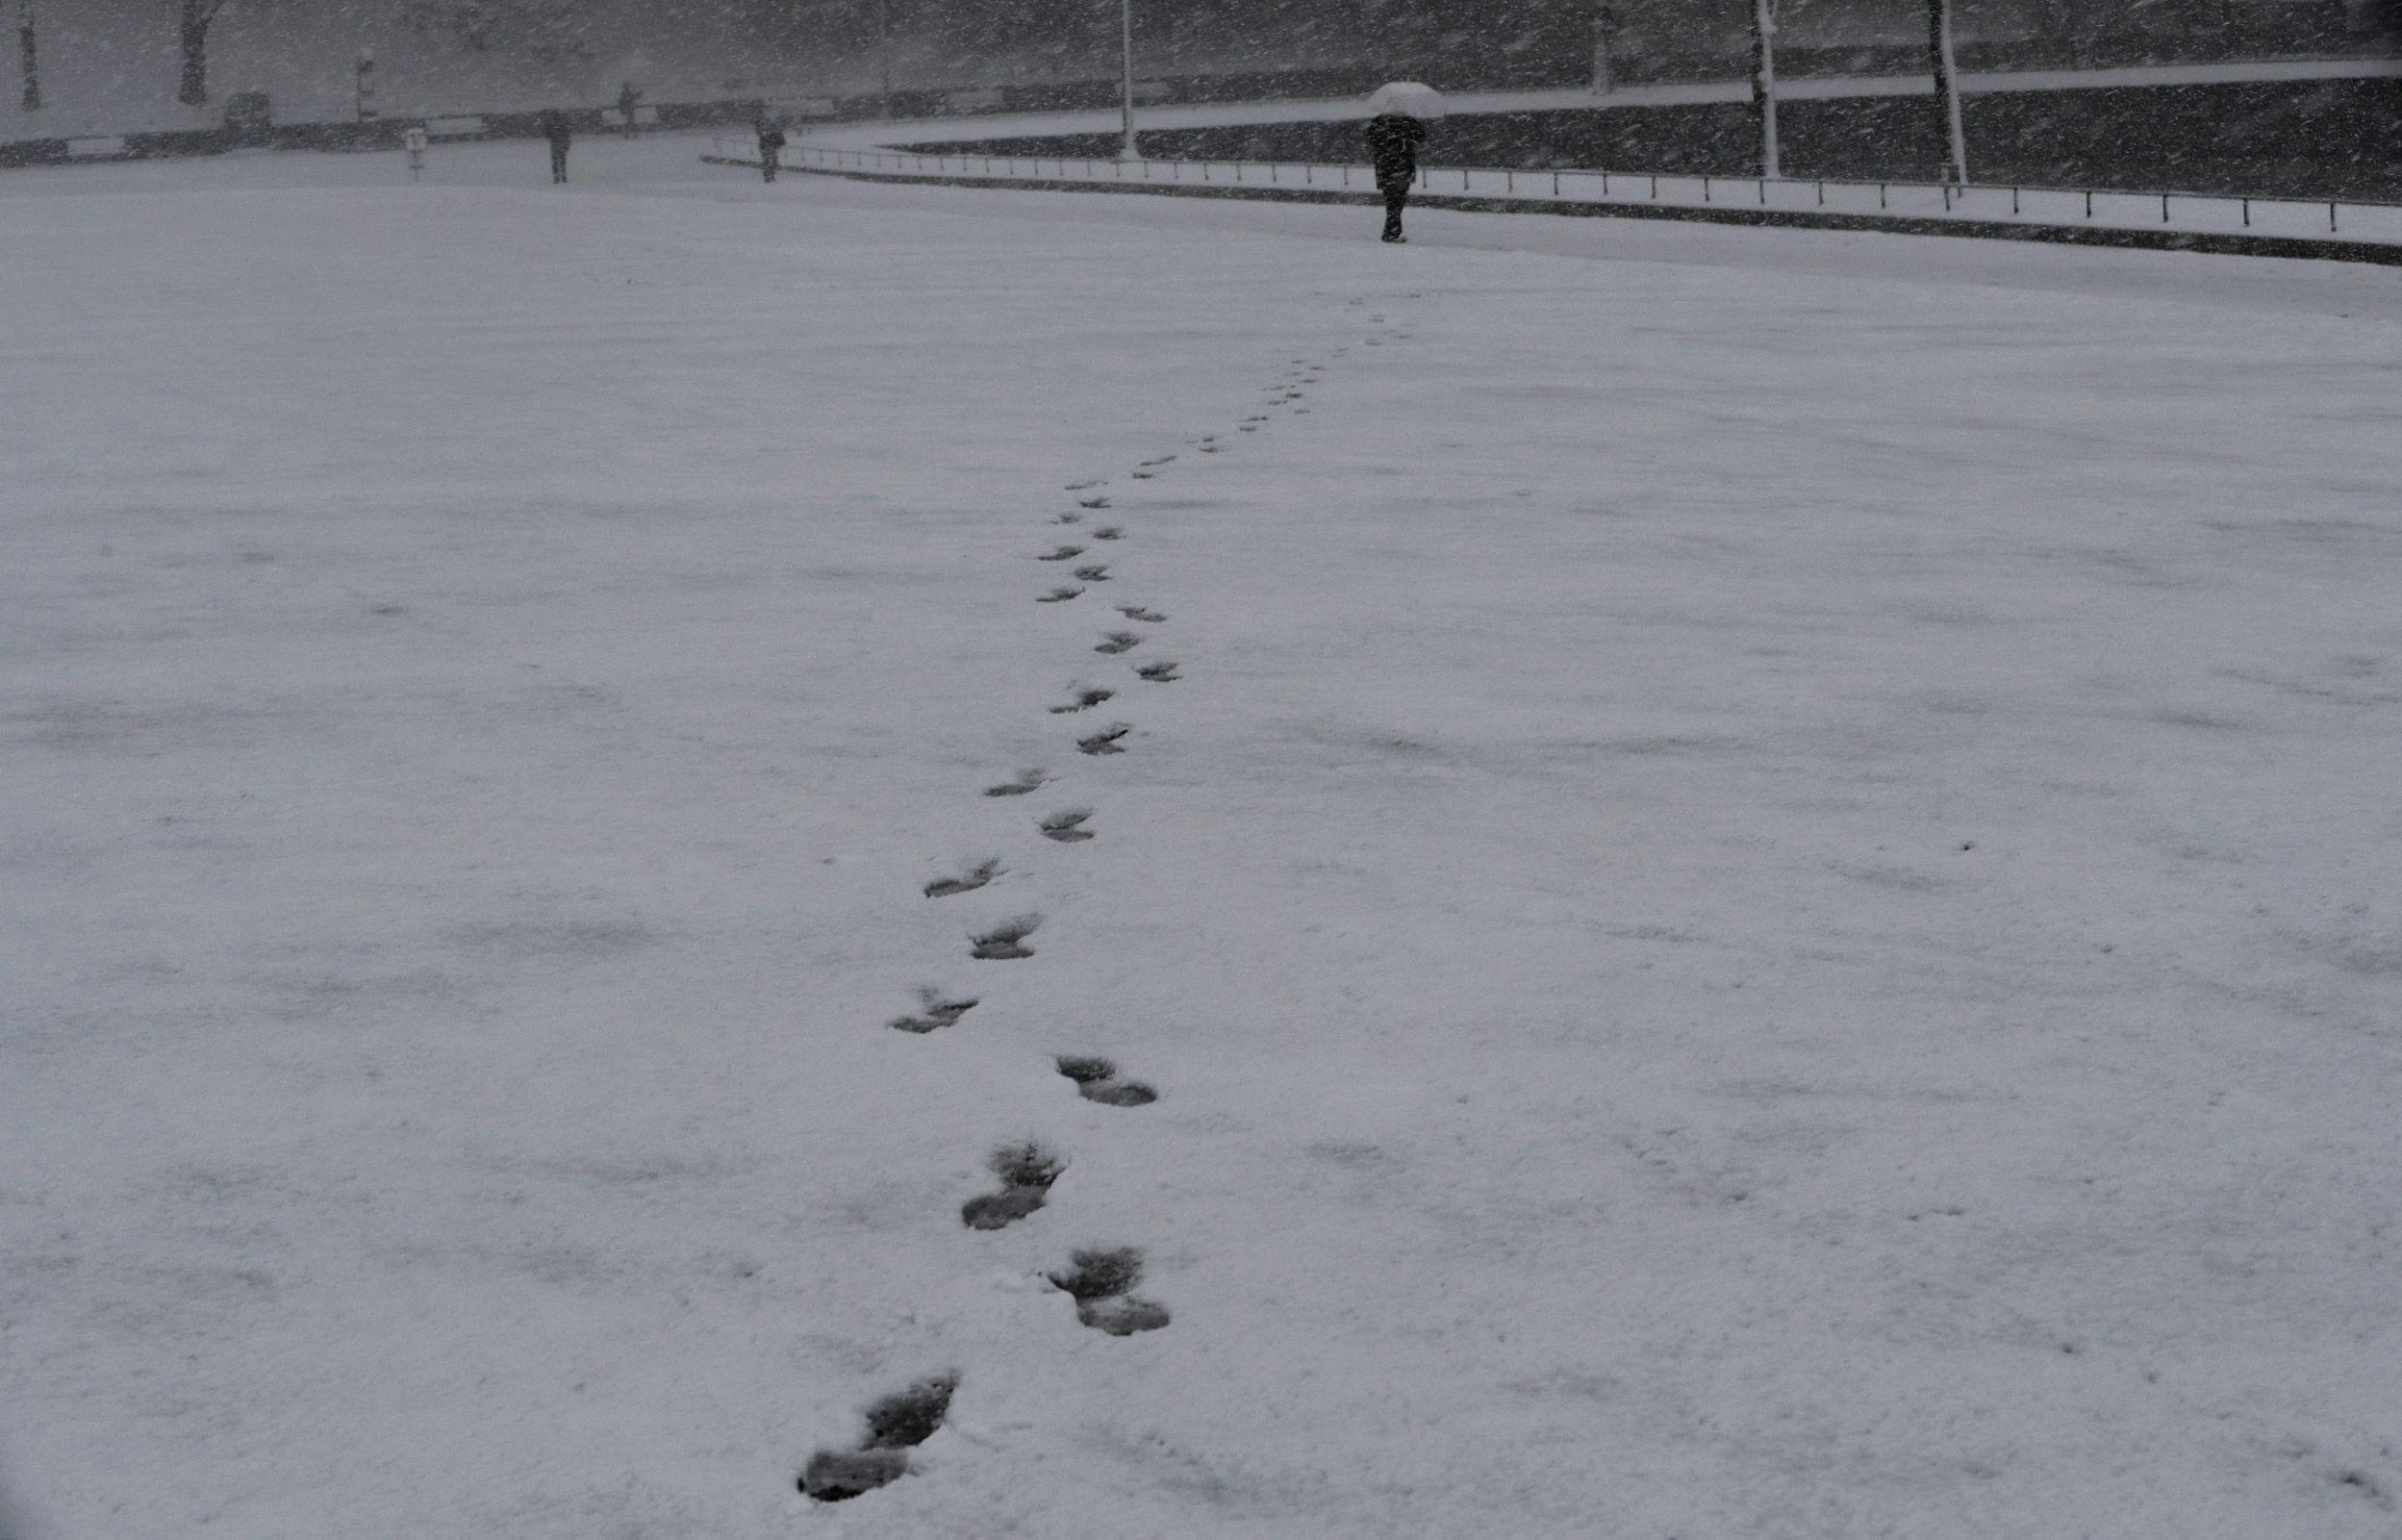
{"x":1407,"y":98}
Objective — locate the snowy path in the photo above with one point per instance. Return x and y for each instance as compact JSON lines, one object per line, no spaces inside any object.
{"x":1762,"y":907}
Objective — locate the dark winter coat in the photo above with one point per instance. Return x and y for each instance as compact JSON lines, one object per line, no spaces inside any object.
{"x":558,"y":129}
{"x":1393,"y":145}
{"x":770,"y":136}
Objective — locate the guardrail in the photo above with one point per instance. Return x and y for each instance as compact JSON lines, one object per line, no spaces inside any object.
{"x":2335,"y":224}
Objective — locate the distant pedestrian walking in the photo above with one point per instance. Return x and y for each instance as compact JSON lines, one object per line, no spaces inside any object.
{"x":1397,"y":130}
{"x":770,"y":146}
{"x":559,"y":131}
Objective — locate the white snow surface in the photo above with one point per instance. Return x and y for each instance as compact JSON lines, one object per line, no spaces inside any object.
{"x":1766,"y":908}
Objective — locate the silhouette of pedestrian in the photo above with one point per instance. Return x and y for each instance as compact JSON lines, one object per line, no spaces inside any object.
{"x":1392,"y":143}
{"x":770,"y":144}
{"x":559,"y":131}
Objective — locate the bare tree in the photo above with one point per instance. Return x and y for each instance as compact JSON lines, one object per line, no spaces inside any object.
{"x":197,"y":16}
{"x":547,"y":32}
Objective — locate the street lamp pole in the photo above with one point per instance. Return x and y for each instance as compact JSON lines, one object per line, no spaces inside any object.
{"x":27,"y":53}
{"x":1126,"y":37}
{"x":884,"y":48}
{"x":1764,"y":86}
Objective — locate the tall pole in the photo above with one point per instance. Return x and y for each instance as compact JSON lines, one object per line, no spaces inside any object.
{"x":1764,"y":86}
{"x":884,"y":48}
{"x":31,"y":58}
{"x":1947,"y":87}
{"x":1125,"y":39}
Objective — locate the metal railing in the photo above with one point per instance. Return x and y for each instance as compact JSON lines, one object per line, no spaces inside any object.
{"x":2341,"y":221}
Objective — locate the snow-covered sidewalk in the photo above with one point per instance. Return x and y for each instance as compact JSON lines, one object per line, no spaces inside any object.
{"x":1763,"y":905}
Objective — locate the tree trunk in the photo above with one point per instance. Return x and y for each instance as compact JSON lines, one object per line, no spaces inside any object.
{"x":197,"y":14}
{"x":1951,"y":133}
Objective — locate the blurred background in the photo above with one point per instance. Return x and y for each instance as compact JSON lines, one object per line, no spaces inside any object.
{"x":2241,"y":114}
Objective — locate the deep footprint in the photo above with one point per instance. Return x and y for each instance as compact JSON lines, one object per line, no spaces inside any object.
{"x":1067,"y":829}
{"x":1103,"y":1284}
{"x":939,"y":1013}
{"x":1159,"y":673}
{"x":1094,"y":574}
{"x":1059,"y":595}
{"x":1117,"y":642}
{"x":1028,"y":781}
{"x":1092,"y":502}
{"x":896,"y":1425}
{"x":1105,"y":742}
{"x":1026,"y":1172}
{"x":1006,"y":943}
{"x":976,"y":877}
{"x":1097,"y":1080}
{"x":1110,"y":531}
{"x":1136,"y":612}
{"x":1085,"y":700}
{"x":1065,"y":553}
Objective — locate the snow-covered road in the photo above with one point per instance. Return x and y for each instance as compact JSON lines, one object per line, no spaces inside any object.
{"x":1764,"y":907}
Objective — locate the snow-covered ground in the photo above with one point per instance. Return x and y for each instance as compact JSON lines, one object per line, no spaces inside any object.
{"x":1765,"y":907}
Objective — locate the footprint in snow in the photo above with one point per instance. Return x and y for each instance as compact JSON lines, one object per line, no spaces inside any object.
{"x":1006,"y":943}
{"x":1065,"y":553}
{"x":1097,"y":1080}
{"x":1150,"y":465}
{"x":1102,"y":1283}
{"x":1117,"y":641}
{"x":1085,"y":486}
{"x":1136,"y":612}
{"x":896,"y":1425}
{"x":1145,"y":475}
{"x":1092,"y":502}
{"x":1028,"y":780}
{"x":939,"y":1013}
{"x":1094,"y":574}
{"x":1213,"y":449}
{"x":1059,"y":595}
{"x":1026,"y":1172}
{"x":976,"y":877}
{"x":1067,"y":829}
{"x":1159,"y":673}
{"x":1105,"y":742}
{"x":1085,"y":700}
{"x":1110,"y":531}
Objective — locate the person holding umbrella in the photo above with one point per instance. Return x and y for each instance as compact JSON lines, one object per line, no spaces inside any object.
{"x":1398,"y":115}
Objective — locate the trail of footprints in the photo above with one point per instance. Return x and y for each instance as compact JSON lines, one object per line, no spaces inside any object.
{"x":1101,"y":1281}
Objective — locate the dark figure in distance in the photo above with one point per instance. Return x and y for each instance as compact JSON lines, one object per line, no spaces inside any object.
{"x":771,"y":145}
{"x":1393,"y":144}
{"x":561,"y":133}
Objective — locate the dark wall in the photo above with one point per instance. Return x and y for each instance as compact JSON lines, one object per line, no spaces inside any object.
{"x":2332,"y":138}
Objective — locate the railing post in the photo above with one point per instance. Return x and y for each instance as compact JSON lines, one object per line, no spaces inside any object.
{"x":2089,"y":203}
{"x":2331,"y":219}
{"x":1764,"y":193}
{"x":1880,"y":203}
{"x":1704,"y":190}
{"x":2013,"y":202}
{"x":2164,"y":208}
{"x":1822,"y":193}
{"x":2247,"y":214}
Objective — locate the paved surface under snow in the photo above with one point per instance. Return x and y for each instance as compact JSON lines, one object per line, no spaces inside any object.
{"x":1765,"y":907}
